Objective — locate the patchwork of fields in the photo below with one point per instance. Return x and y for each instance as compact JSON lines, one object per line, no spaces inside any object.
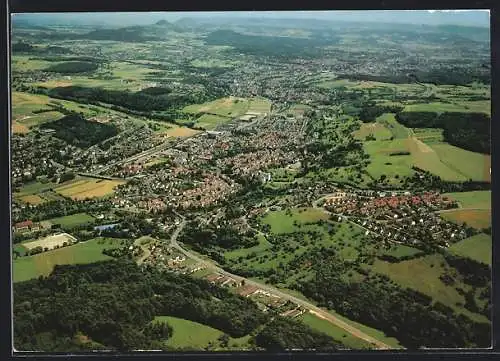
{"x":426,"y":151}
{"x":475,"y":209}
{"x":88,"y":188}
{"x":479,"y":106}
{"x":223,"y":110}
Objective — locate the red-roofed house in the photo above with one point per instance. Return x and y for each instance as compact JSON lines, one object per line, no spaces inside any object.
{"x":23,"y":226}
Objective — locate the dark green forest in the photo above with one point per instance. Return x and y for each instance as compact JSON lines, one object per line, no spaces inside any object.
{"x":142,"y":101}
{"x":80,"y":132}
{"x":72,"y":67}
{"x":285,"y":334}
{"x":113,"y":303}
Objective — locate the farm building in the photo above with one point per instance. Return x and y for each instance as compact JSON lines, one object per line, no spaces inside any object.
{"x":26,"y":226}
{"x":247,"y":291}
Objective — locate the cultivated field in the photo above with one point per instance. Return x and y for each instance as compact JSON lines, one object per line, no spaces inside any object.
{"x":24,"y":63}
{"x":473,"y":199}
{"x":263,"y":245}
{"x":32,"y":199}
{"x":429,"y":135}
{"x":34,"y":188}
{"x":88,"y":188}
{"x":478,"y":248}
{"x":226,"y":107}
{"x":476,"y":218}
{"x":18,"y":128}
{"x":51,"y":241}
{"x":425,"y":157}
{"x":465,"y":106}
{"x":298,"y":109}
{"x":475,"y":166}
{"x":24,"y":103}
{"x":281,"y":222}
{"x":25,"y":268}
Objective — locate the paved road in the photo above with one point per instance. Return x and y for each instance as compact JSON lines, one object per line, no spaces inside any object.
{"x":307,"y":305}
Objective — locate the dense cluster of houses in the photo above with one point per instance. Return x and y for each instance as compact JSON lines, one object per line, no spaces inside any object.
{"x":406,"y":218}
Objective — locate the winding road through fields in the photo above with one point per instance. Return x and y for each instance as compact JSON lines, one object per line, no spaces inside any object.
{"x":307,"y":305}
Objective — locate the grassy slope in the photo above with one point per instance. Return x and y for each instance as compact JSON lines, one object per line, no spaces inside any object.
{"x":478,"y":248}
{"x":348,"y":340}
{"x":472,"y":165}
{"x":196,"y":335}
{"x":473,"y":199}
{"x":25,"y":268}
{"x":422,"y":274}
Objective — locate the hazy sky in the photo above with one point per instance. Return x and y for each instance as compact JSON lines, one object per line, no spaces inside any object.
{"x":429,"y":17}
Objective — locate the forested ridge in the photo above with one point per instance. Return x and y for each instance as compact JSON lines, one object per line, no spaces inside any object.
{"x":142,"y":101}
{"x":112,"y":304}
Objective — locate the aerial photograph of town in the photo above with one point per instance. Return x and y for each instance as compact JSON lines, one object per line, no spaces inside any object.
{"x":251,"y":181}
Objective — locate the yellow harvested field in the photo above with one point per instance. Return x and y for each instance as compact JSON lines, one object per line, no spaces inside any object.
{"x":54,"y":83}
{"x":71,"y":185}
{"x":19,"y":98}
{"x":51,"y":242}
{"x":181,"y":132}
{"x":421,"y":146}
{"x":89,"y":188}
{"x":32,"y":199}
{"x":18,"y":128}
